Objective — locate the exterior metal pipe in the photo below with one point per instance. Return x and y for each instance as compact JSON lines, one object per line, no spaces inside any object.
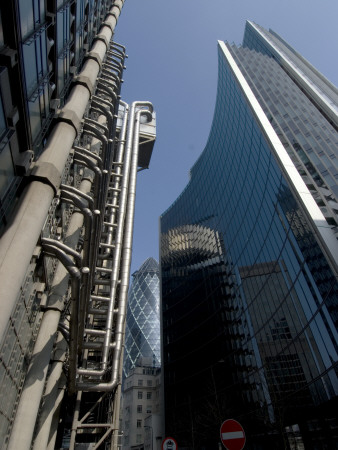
{"x":124,"y":212}
{"x":75,"y":300}
{"x":27,"y":411}
{"x":117,"y":400}
{"x":95,"y":345}
{"x":102,"y":109}
{"x":56,"y":413}
{"x":63,"y":248}
{"x":34,"y":384}
{"x":116,"y":44}
{"x":126,"y":257}
{"x":94,"y":156}
{"x":119,"y":161}
{"x":118,"y":67}
{"x":51,"y":394}
{"x":72,"y":189}
{"x":22,"y":235}
{"x":75,"y":420}
{"x":117,"y":252}
{"x":106,"y":65}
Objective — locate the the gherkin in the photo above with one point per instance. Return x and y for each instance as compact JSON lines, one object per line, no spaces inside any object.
{"x":143,"y":317}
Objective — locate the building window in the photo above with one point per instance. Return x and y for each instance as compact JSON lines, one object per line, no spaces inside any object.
{"x":149,"y":382}
{"x":139,"y":408}
{"x":139,"y":424}
{"x":140,"y":382}
{"x":3,"y":125}
{"x":139,"y":438}
{"x":148,"y":395}
{"x":140,"y":395}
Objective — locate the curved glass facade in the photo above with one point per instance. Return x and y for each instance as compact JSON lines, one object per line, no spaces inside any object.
{"x":248,"y":296}
{"x":143,"y":318}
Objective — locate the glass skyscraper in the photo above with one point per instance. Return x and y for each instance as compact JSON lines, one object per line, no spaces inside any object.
{"x":143,"y":318}
{"x":249,"y":259}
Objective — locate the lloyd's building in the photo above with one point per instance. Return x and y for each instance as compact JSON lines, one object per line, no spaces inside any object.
{"x":70,"y":150}
{"x":249,"y":259}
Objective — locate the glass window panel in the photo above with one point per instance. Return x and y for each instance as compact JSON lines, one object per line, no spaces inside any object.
{"x":1,"y":32}
{"x":44,"y":52}
{"x":60,"y":31}
{"x":42,"y":11}
{"x":60,"y":75}
{"x":26,"y":17}
{"x":38,"y":57}
{"x":29,"y":56}
{"x":6,"y":170}
{"x":35,"y":121}
{"x":3,"y":125}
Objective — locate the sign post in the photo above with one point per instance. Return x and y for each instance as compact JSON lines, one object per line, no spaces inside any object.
{"x":169,"y":443}
{"x":232,"y":435}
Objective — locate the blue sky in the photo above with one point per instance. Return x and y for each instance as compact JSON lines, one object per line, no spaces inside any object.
{"x":172,"y":48}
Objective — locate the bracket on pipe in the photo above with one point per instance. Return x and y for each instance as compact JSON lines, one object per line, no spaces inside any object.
{"x":84,"y":81}
{"x":109,"y":25}
{"x":112,"y":13}
{"x":70,"y":117}
{"x":95,"y":56}
{"x":101,"y":37}
{"x":46,"y":173}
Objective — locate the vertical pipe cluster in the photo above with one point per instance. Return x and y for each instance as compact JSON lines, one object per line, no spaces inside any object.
{"x":22,"y":236}
{"x":111,"y":303}
{"x":82,"y":326}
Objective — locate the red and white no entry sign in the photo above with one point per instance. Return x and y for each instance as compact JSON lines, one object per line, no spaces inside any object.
{"x":232,"y":435}
{"x":169,"y":443}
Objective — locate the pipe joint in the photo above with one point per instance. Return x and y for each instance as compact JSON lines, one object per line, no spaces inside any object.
{"x":70,"y":117}
{"x":109,"y":25}
{"x":118,"y":4}
{"x":84,"y":81}
{"x":95,"y":56}
{"x":102,"y":37}
{"x":46,"y":173}
{"x":114,"y":14}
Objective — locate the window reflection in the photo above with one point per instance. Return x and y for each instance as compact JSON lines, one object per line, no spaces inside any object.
{"x":244,"y":282}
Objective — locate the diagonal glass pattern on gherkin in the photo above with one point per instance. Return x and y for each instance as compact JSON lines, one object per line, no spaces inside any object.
{"x":143,"y":317}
